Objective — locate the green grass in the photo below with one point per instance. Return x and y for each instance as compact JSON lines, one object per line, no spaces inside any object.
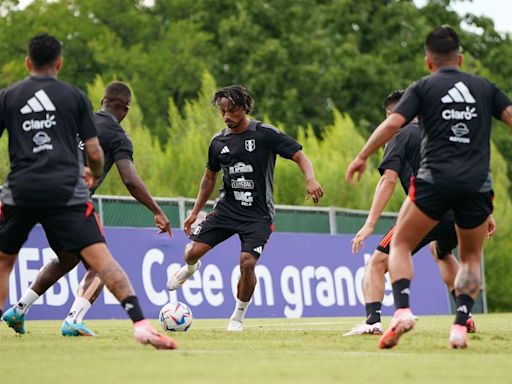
{"x":309,"y":350}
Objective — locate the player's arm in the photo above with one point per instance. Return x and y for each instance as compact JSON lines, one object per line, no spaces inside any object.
{"x":506,"y":116}
{"x":385,"y":131}
{"x":314,"y":189}
{"x":139,"y":191}
{"x":205,"y":190}
{"x":383,"y":192}
{"x":95,"y":157}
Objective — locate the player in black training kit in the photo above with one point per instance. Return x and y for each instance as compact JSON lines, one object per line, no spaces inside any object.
{"x":44,"y":116}
{"x":401,"y":161}
{"x":118,"y":149}
{"x":455,"y":111}
{"x":246,"y":152}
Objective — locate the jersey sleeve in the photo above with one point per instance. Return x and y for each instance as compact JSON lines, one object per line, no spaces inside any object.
{"x":394,"y":154}
{"x":213,"y":163}
{"x":122,"y":148}
{"x":499,"y":103}
{"x":409,"y":104}
{"x":86,"y":127}
{"x":282,"y":144}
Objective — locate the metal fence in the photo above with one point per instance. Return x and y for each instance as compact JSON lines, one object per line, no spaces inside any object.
{"x":125,"y":211}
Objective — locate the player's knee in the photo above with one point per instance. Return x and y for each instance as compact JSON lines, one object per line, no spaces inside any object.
{"x":378,"y":262}
{"x":193,"y":252}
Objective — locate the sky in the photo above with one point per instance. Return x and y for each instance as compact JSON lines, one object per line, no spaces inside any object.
{"x":498,"y":10}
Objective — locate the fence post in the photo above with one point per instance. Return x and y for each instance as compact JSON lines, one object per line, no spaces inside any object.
{"x":181,"y":210}
{"x":100,"y":209}
{"x":333,"y":227}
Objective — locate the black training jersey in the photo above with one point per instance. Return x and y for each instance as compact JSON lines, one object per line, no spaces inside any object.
{"x":44,"y":116}
{"x":402,"y":154}
{"x":455,"y":111}
{"x":247,"y":161}
{"x":113,"y":139}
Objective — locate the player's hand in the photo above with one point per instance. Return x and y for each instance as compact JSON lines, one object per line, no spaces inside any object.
{"x":187,"y":225}
{"x":162,"y":223}
{"x":90,"y":181}
{"x":314,"y":190}
{"x":491,"y":226}
{"x":358,"y":166}
{"x":360,"y":237}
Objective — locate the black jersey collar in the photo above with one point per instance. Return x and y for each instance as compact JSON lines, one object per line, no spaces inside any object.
{"x":251,"y":127}
{"x":449,"y":69}
{"x":111,"y":115}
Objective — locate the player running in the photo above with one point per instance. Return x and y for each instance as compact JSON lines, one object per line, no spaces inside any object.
{"x":44,"y":116}
{"x":118,"y":149}
{"x":246,"y":152}
{"x":400,"y":162}
{"x":455,"y":111}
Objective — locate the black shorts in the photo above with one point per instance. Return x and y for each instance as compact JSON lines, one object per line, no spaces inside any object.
{"x":216,"y":228}
{"x":443,"y":234}
{"x":73,"y":228}
{"x":471,"y":209}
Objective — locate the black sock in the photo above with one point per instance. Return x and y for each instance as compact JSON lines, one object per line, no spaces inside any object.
{"x":132,"y":308}
{"x":454,"y":295}
{"x":1,"y":313}
{"x":401,"y":293}
{"x":464,"y":305}
{"x":373,"y":312}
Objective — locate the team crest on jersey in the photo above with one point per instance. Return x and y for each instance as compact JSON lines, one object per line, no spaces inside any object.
{"x":250,"y":145}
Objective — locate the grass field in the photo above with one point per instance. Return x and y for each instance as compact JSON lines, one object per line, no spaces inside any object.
{"x":310,"y":350}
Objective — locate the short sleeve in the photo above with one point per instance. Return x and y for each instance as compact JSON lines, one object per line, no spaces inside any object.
{"x":500,"y":101}
{"x":409,"y":104}
{"x":86,"y":127}
{"x":122,"y":148}
{"x":213,"y":163}
{"x":281,"y":143}
{"x":394,"y":153}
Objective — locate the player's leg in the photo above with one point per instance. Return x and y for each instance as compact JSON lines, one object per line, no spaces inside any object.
{"x":15,"y":225}
{"x":212,"y":231}
{"x":468,"y":280}
{"x":412,"y":226}
{"x":193,"y":252}
{"x":89,"y":289}
{"x":373,"y":291}
{"x":78,"y":229}
{"x":471,"y":214}
{"x":254,"y":236}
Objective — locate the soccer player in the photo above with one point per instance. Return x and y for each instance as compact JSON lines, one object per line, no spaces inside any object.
{"x":118,"y":149}
{"x":455,"y":111}
{"x":400,"y":162}
{"x":44,"y":116}
{"x":246,"y":152}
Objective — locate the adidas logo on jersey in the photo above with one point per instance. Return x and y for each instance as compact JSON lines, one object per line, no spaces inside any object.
{"x":258,"y":249}
{"x":224,"y":150}
{"x":38,"y":103}
{"x":458,"y":94}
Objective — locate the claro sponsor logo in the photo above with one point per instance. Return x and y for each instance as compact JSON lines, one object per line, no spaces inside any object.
{"x":32,"y":124}
{"x":453,"y":114}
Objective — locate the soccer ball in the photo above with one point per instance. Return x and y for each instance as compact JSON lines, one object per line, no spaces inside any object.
{"x":175,"y":317}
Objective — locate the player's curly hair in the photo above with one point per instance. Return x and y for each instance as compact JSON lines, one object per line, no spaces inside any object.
{"x":238,"y":97}
{"x":44,"y":49}
{"x":393,"y":98}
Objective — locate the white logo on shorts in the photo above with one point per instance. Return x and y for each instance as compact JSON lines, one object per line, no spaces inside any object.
{"x":197,"y":230}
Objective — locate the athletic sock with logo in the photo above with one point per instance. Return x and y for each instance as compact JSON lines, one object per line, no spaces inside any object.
{"x":464,"y":305}
{"x":132,"y":308}
{"x":78,"y":310}
{"x":373,"y":312}
{"x":26,"y":301}
{"x":240,"y":309}
{"x":401,"y":293}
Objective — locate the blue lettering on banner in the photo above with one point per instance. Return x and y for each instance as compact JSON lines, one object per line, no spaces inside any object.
{"x":299,"y":275}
